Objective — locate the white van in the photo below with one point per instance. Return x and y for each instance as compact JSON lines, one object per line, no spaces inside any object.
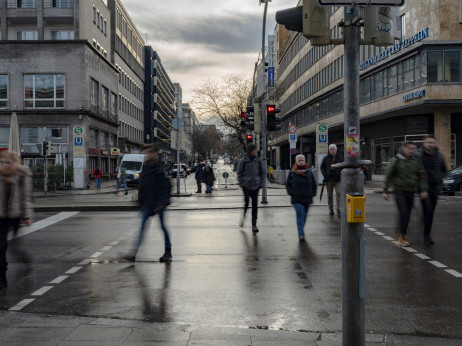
{"x":133,"y":164}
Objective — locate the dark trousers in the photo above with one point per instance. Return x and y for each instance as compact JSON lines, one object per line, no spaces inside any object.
{"x":404,"y":202}
{"x":6,"y":225}
{"x":199,"y":185}
{"x":254,"y":195}
{"x":428,"y":207}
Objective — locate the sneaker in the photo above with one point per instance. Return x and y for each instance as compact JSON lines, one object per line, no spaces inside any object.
{"x":403,"y":241}
{"x":331,"y":212}
{"x":302,"y":238}
{"x":126,"y":193}
{"x":3,"y":282}
{"x":167,"y":257}
{"x":428,"y":241}
{"x":255,"y":229}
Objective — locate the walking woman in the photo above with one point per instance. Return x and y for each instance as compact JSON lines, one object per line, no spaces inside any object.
{"x":301,"y":186}
{"x":208,"y":178}
{"x":15,"y":204}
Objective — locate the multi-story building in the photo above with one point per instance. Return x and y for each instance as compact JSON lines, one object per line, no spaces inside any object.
{"x":159,"y":103}
{"x":128,"y":57}
{"x":407,"y":91}
{"x":56,"y":73}
{"x":189,"y":118}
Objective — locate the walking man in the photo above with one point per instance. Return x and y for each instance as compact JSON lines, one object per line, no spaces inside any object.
{"x":251,"y":175}
{"x":154,"y":197}
{"x":97,"y":174}
{"x":332,"y":177}
{"x":435,"y":167}
{"x":198,"y":175}
{"x":301,"y":186}
{"x":122,"y":179}
{"x":406,"y":174}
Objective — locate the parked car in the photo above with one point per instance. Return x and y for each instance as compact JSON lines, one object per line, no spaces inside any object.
{"x":452,"y":182}
{"x":183,"y":171}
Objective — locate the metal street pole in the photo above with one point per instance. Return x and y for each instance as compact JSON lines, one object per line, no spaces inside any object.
{"x":264,"y":199}
{"x":353,"y":241}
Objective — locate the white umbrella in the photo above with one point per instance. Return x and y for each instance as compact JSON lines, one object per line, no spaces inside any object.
{"x":13,"y":144}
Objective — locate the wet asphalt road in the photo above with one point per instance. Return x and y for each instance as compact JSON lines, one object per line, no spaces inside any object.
{"x":224,"y":275}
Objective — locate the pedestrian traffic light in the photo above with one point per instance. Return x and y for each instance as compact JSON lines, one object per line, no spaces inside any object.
{"x":46,"y":148}
{"x":311,"y":19}
{"x":249,"y":138}
{"x":272,"y":123}
{"x":243,"y":119}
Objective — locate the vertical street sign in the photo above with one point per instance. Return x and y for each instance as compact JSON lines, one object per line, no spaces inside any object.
{"x":271,"y":77}
{"x":322,"y":139}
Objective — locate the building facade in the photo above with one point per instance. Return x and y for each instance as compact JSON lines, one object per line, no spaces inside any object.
{"x":407,"y":91}
{"x":189,"y":118}
{"x":159,"y":101}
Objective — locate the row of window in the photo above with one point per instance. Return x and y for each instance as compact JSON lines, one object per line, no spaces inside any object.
{"x":46,"y":4}
{"x":32,"y":35}
{"x":126,"y":106}
{"x":128,"y":131}
{"x":130,"y":84}
{"x":99,"y":21}
{"x":99,"y":48}
{"x":101,"y":140}
{"x":134,"y":43}
{"x":108,"y":98}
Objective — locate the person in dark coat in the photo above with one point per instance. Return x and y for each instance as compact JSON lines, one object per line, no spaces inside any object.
{"x":154,"y":197}
{"x":198,"y":175}
{"x":208,"y":178}
{"x":251,"y":175}
{"x":435,"y":167}
{"x":97,"y":173}
{"x":301,"y":186}
{"x":332,"y":177}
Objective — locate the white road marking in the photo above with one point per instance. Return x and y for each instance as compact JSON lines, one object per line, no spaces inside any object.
{"x":85,"y":262}
{"x":21,"y":304}
{"x":366,"y":225}
{"x":379,"y":233}
{"x":387,"y":237}
{"x":454,"y":273}
{"x":106,"y":248}
{"x":73,"y":270}
{"x":59,"y":279}
{"x":438,"y":264}
{"x":114,"y":243}
{"x":372,"y":229}
{"x":96,"y":254}
{"x":37,"y":226}
{"x":409,"y":249}
{"x":422,"y":256}
{"x":42,"y":291}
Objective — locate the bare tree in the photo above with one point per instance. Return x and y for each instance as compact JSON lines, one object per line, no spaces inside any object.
{"x":206,"y":140}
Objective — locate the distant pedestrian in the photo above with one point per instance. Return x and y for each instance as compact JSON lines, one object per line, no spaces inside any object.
{"x":154,"y":197}
{"x":208,"y":178}
{"x":332,"y":177}
{"x":198,"y":175}
{"x":301,"y":186}
{"x":407,"y":175}
{"x":15,"y":205}
{"x":97,"y":173}
{"x":251,"y":175}
{"x":435,"y":168}
{"x":122,"y":180}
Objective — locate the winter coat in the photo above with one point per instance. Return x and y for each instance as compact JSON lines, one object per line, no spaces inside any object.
{"x":329,"y":173}
{"x":19,"y":204}
{"x":406,"y":174}
{"x":301,"y":187}
{"x":97,"y":173}
{"x":154,"y":189}
{"x":251,"y":173}
{"x":434,"y":165}
{"x":208,"y":177}
{"x":199,"y":171}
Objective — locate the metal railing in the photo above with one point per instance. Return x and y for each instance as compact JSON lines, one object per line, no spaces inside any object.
{"x":21,"y":4}
{"x":58,"y":3}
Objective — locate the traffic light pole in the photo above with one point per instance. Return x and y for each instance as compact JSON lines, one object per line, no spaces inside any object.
{"x":264,"y":197}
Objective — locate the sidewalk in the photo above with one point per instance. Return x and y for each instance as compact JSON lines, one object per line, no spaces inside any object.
{"x":34,"y":329}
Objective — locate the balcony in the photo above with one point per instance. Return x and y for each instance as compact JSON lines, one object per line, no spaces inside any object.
{"x":58,"y":4}
{"x":21,"y":4}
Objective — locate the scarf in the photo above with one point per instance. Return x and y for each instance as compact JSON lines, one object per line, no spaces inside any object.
{"x":300,"y":170}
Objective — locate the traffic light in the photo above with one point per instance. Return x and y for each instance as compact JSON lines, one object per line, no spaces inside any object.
{"x":311,"y":19}
{"x":249,"y":138}
{"x":243,"y":119}
{"x":46,"y":148}
{"x":272,"y":123}
{"x":247,"y":120}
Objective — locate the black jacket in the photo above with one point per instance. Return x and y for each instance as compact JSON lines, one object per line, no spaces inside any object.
{"x":301,"y":187}
{"x":208,"y":177}
{"x":434,"y":165}
{"x":199,"y":171}
{"x":154,"y":189}
{"x":331,"y":174}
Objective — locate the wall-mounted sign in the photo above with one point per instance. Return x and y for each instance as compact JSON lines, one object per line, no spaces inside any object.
{"x":414,"y":95}
{"x":416,"y":125}
{"x":94,"y":151}
{"x":104,"y":152}
{"x":115,"y":151}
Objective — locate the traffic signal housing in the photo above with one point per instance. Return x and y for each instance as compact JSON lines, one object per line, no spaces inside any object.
{"x":249,"y":138}
{"x":272,"y":123}
{"x":46,"y":148}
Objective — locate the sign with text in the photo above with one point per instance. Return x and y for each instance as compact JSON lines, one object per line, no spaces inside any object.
{"x":322,"y":138}
{"x":362,"y":2}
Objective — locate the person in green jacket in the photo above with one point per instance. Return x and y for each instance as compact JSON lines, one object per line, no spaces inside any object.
{"x":406,"y":174}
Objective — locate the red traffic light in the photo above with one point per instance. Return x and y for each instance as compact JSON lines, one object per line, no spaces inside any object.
{"x":243,"y":115}
{"x":270,"y":109}
{"x":249,"y":137}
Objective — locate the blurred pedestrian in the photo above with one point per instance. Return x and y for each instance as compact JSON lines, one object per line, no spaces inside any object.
{"x":122,"y":179}
{"x":435,"y":168}
{"x":251,"y":175}
{"x":97,"y":173}
{"x":198,"y":175}
{"x":208,"y":178}
{"x":301,"y":186}
{"x":332,"y":177}
{"x":406,"y":174}
{"x":154,"y":197}
{"x":15,"y":205}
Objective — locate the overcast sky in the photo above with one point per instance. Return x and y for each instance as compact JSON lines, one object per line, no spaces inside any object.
{"x":201,"y":39}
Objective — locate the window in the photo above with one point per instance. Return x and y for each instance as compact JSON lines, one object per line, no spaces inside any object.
{"x":94,"y":93}
{"x":113,"y":103}
{"x":93,"y":138}
{"x":3,"y":91}
{"x":94,"y":14}
{"x":105,"y":27}
{"x":27,"y":35}
{"x":57,"y":134}
{"x":97,"y":19}
{"x":62,"y":35}
{"x":22,"y":4}
{"x":29,"y":135}
{"x":44,"y":91}
{"x":4,"y":135}
{"x":451,"y":66}
{"x":62,"y":3}
{"x":435,"y":66}
{"x":104,"y":99}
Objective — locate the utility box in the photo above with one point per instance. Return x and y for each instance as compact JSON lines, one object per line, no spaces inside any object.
{"x":356,"y":207}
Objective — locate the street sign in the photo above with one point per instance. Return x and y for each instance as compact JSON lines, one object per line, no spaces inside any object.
{"x":79,"y":131}
{"x":362,"y":2}
{"x":321,"y":138}
{"x":78,"y":141}
{"x":271,"y":77}
{"x":225,"y":175}
{"x":292,"y":129}
{"x":293,"y":145}
{"x":293,"y":151}
{"x":322,"y":128}
{"x":292,"y":137}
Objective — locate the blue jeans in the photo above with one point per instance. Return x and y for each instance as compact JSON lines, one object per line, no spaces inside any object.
{"x":146,"y":213}
{"x":208,"y":188}
{"x":98,"y":183}
{"x":120,"y":182}
{"x":301,"y":211}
